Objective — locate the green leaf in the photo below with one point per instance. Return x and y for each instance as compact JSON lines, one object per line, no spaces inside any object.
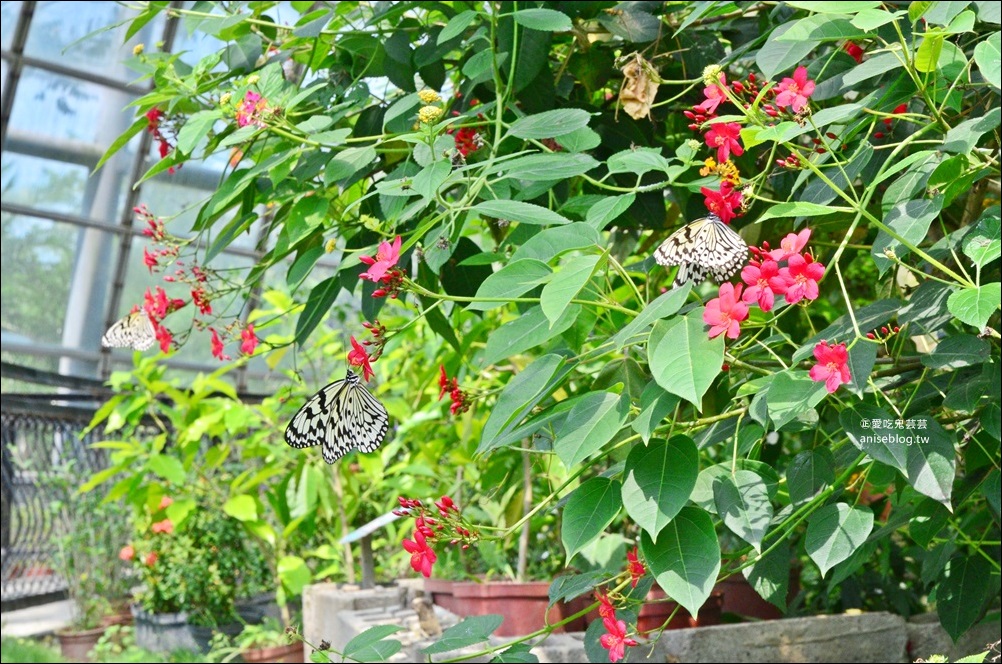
{"x":862,"y":357}
{"x":371,"y":646}
{"x":525,"y":332}
{"x":580,"y":140}
{"x":956,"y":351}
{"x":195,"y":128}
{"x":927,"y":521}
{"x":834,"y":532}
{"x":168,"y":468}
{"x":910,"y":220}
{"x":241,"y":508}
{"x":777,"y":55}
{"x":988,"y":56}
{"x":470,"y":631}
{"x":770,"y":576}
{"x":545,"y":20}
{"x":592,"y":423}
{"x":608,"y":210}
{"x":315,"y":124}
{"x":294,"y":574}
{"x":306,"y":215}
{"x":526,"y":213}
{"x":655,"y":404}
{"x":871,"y":19}
{"x":984,"y":244}
{"x":666,"y":304}
{"x":809,"y":473}
{"x":317,"y":307}
{"x":686,"y":559}
{"x":927,"y":56}
{"x":791,"y":394}
{"x":427,"y":182}
{"x":975,"y":306}
{"x":816,"y":29}
{"x":566,"y":283}
{"x":512,"y":280}
{"x":550,"y":243}
{"x":836,"y":7}
{"x":456,"y":26}
{"x":799,"y":209}
{"x":923,"y":452}
{"x":518,"y":653}
{"x":550,"y":124}
{"x":589,"y":510}
{"x":518,"y":398}
{"x":658,"y":479}
{"x":743,"y":505}
{"x":639,"y":161}
{"x":962,"y":592}
{"x":683,"y":359}
{"x":868,"y":318}
{"x":546,"y":167}
{"x":963,"y":137}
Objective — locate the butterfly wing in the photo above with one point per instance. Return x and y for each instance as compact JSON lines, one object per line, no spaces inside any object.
{"x":309,"y":426}
{"x":359,"y":421}
{"x":133,"y":331}
{"x":706,"y":246}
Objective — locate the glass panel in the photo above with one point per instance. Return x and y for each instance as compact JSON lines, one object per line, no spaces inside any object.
{"x":83,"y":42}
{"x":55,"y":282}
{"x":8,"y":22}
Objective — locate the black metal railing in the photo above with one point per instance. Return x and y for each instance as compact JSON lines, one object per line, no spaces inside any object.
{"x":38,"y":441}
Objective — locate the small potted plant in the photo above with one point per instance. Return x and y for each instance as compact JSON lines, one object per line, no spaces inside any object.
{"x":87,"y":529}
{"x":269,"y":642}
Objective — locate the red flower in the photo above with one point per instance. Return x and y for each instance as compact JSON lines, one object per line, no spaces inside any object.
{"x":636,"y":567}
{"x":422,"y":555}
{"x":248,"y":340}
{"x":799,"y":279}
{"x":854,"y":50}
{"x":358,"y":357}
{"x":724,"y":313}
{"x":165,"y":502}
{"x":714,"y":96}
{"x":164,"y":526}
{"x":794,"y":92}
{"x":722,"y":202}
{"x":616,"y":640}
{"x":724,"y":136}
{"x":127,"y":553}
{"x":150,"y":260}
{"x":153,"y":120}
{"x":605,"y":607}
{"x":444,"y":385}
{"x":833,"y":365}
{"x":164,"y":336}
{"x":386,"y":257}
{"x":445,"y":505}
{"x":757,"y":278}
{"x":217,"y":346}
{"x":150,"y":559}
{"x":201,"y":300}
{"x":792,"y":244}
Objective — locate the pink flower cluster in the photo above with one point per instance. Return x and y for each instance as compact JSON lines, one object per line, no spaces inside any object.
{"x":383,"y":269}
{"x":251,"y":109}
{"x":764,"y":279}
{"x":724,"y":202}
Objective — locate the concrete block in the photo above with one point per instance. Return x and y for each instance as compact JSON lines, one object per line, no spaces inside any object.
{"x":865,"y":637}
{"x":927,"y":637}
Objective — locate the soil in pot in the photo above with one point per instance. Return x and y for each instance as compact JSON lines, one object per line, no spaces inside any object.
{"x":292,"y":652}
{"x":654,"y":613}
{"x":76,"y":645}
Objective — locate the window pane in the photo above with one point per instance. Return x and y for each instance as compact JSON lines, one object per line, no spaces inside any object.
{"x":8,"y":21}
{"x":83,"y":43}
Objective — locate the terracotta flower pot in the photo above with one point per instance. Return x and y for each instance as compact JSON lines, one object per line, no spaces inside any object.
{"x":655,"y":612}
{"x":523,"y":606}
{"x":292,"y":652}
{"x":741,"y":599}
{"x":76,"y":645}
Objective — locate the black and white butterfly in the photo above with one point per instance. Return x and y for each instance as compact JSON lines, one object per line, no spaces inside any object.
{"x":341,"y":416}
{"x":707,"y":246}
{"x":133,"y":331}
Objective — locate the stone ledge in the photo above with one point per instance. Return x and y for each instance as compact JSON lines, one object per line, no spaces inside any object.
{"x":863,"y":637}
